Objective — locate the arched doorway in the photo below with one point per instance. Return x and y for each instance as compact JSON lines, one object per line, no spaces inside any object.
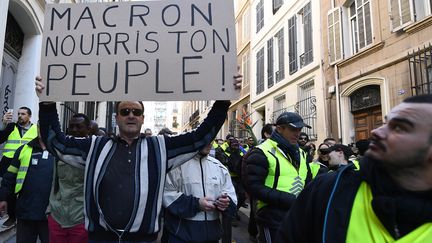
{"x":366,"y":110}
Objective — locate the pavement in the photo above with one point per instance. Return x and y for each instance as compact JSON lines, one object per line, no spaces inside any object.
{"x":239,"y":233}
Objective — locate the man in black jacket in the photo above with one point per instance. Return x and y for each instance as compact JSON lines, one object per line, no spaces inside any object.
{"x":276,"y":173}
{"x":389,"y":198}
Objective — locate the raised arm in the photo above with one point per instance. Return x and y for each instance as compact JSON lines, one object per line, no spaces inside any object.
{"x":183,"y":147}
{"x":68,"y":149}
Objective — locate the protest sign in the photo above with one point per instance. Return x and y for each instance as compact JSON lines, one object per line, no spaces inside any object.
{"x":150,"y":50}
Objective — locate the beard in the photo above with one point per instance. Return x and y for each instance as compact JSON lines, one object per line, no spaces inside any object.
{"x":416,"y":161}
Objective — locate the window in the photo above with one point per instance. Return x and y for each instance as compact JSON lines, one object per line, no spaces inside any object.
{"x":306,"y":107}
{"x":334,"y":34}
{"x":275,"y":58}
{"x":259,"y":15}
{"x":360,"y":24}
{"x":300,"y":39}
{"x":246,"y":25}
{"x":277,"y":4}
{"x":260,"y":71}
{"x":245,"y":69}
{"x":279,"y":106}
{"x":404,"y":12}
{"x":307,"y":56}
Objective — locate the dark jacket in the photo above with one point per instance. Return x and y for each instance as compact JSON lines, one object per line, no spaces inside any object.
{"x":279,"y":202}
{"x":399,"y":210}
{"x":32,"y":200}
{"x":145,"y":172}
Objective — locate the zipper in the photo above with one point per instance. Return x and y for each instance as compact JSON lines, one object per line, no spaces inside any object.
{"x":204,"y":193}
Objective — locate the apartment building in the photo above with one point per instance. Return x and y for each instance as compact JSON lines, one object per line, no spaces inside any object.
{"x":286,"y":73}
{"x":376,"y":53}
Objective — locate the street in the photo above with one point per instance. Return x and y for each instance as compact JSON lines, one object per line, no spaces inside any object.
{"x":240,"y":234}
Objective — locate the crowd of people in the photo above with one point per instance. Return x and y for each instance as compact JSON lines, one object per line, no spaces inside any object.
{"x":83,"y":185}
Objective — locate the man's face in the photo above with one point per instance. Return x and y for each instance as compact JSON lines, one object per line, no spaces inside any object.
{"x":302,"y":140}
{"x":206,"y":150}
{"x":129,"y":124}
{"x":23,"y":117}
{"x":77,"y":127}
{"x":404,"y":141}
{"x":148,"y":132}
{"x":250,"y":141}
{"x":324,"y":156}
{"x":335,"y":158}
{"x":291,"y":134}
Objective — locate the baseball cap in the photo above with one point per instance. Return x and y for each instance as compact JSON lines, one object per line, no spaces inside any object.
{"x":340,"y":147}
{"x":292,"y":119}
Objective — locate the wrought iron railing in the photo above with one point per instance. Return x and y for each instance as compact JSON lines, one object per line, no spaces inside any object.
{"x":306,"y":108}
{"x":420,"y":68}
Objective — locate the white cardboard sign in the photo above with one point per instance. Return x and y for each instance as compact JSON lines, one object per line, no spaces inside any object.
{"x":151,"y":50}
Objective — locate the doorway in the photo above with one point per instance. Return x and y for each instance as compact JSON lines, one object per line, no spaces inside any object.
{"x":366,"y":111}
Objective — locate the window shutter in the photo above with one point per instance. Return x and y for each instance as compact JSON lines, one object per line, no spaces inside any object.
{"x":308,"y":53}
{"x":292,"y":42}
{"x":260,"y":71}
{"x":281,"y":52}
{"x":259,"y":16}
{"x":270,"y":62}
{"x":334,"y":34}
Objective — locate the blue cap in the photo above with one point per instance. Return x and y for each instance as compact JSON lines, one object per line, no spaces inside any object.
{"x":291,"y":119}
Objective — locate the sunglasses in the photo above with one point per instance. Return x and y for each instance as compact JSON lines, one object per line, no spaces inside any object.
{"x":324,"y":151}
{"x":127,"y":111}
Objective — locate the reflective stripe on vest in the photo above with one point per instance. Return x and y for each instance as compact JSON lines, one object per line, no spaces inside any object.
{"x":24,"y":158}
{"x":15,"y":140}
{"x":364,"y":225}
{"x":288,"y":178}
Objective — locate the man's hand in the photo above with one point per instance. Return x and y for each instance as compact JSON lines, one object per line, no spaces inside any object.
{"x":39,"y":86}
{"x":222,"y":202}
{"x":3,"y":208}
{"x":206,"y":204}
{"x":237,"y":81}
{"x":7,"y":118}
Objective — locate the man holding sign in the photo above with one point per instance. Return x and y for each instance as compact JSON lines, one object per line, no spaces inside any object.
{"x":152,"y":50}
{"x":125,"y":175}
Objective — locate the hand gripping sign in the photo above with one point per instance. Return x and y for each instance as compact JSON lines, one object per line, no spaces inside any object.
{"x":151,"y":50}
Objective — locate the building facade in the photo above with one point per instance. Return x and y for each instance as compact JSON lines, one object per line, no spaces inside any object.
{"x":286,"y":70}
{"x":376,"y":53}
{"x":20,"y":36}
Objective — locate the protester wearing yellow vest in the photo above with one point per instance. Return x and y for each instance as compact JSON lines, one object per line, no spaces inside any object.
{"x":29,"y":179}
{"x":276,"y":173}
{"x":389,"y":199}
{"x":13,"y":135}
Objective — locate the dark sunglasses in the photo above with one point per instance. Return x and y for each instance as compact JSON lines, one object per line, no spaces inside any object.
{"x":127,"y":111}
{"x":324,"y":151}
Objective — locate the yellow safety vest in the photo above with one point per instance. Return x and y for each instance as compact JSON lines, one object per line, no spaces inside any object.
{"x":290,"y":179}
{"x":364,"y":225}
{"x":15,"y":140}
{"x":24,"y":158}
